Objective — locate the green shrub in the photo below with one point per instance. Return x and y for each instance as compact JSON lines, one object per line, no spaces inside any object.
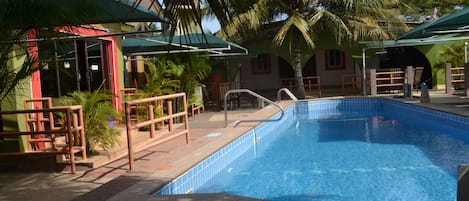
{"x":98,"y":112}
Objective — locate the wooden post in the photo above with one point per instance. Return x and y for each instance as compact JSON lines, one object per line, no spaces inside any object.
{"x":373,"y":88}
{"x":170,"y":114}
{"x":186,"y":119}
{"x":75,"y":130}
{"x":448,"y":86}
{"x":82,"y":133}
{"x":70,"y":140}
{"x":151,"y":117}
{"x":129,"y":136}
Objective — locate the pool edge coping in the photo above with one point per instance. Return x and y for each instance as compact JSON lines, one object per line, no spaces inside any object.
{"x":144,"y":190}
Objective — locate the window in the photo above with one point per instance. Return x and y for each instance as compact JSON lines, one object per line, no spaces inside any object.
{"x":335,"y":60}
{"x":261,"y":64}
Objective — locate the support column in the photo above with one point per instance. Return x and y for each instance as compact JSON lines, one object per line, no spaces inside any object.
{"x":409,"y":81}
{"x":373,"y":88}
{"x":364,"y":72}
{"x":448,"y":87}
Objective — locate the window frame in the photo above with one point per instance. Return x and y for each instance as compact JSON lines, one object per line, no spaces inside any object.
{"x":338,"y":54}
{"x":261,"y":64}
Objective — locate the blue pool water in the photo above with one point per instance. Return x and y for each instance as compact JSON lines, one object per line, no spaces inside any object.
{"x":343,"y":150}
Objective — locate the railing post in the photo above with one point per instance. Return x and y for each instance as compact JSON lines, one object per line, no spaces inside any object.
{"x":82,"y":133}
{"x":466,"y":79}
{"x":129,"y":136}
{"x":71,"y":141}
{"x":75,"y":130}
{"x":186,"y":118}
{"x":151,"y":116}
{"x":373,"y":89}
{"x":170,"y":114}
{"x":448,"y":86}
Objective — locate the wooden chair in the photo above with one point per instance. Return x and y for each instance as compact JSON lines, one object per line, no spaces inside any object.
{"x":232,"y":99}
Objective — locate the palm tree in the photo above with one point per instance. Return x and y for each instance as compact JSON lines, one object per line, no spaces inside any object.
{"x":303,"y":19}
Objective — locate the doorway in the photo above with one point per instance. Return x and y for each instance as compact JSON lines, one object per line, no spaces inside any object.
{"x":78,"y":65}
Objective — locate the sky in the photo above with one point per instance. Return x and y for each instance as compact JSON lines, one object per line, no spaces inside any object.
{"x":211,"y":24}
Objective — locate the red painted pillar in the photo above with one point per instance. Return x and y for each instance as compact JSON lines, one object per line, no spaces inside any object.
{"x":35,"y":81}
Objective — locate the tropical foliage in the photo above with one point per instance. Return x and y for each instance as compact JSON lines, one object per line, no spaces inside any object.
{"x":176,"y":73}
{"x":196,"y":70}
{"x":98,"y":112}
{"x":418,"y":8}
{"x":453,"y":54}
{"x":160,"y":78}
{"x":302,"y":21}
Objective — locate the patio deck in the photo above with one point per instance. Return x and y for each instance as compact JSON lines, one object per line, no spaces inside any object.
{"x":159,"y":164}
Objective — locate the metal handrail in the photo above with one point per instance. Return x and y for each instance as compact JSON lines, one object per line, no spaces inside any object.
{"x":288,"y":92}
{"x":255,"y":95}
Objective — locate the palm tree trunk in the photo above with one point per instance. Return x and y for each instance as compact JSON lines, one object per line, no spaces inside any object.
{"x":299,"y":85}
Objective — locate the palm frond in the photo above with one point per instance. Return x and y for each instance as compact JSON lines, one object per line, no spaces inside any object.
{"x":298,"y":22}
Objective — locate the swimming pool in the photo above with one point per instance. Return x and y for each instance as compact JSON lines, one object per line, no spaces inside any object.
{"x":346,"y":149}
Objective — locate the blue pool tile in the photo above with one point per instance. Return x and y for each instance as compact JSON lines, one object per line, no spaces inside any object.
{"x":202,"y":172}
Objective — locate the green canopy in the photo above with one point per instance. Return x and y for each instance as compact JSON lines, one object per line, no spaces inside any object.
{"x":436,"y":39}
{"x":49,"y":13}
{"x":196,"y":42}
{"x":456,"y":22}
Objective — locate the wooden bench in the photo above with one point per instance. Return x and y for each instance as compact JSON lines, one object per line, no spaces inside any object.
{"x":65,"y":135}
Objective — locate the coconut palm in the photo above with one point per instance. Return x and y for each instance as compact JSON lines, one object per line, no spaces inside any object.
{"x":304,"y":19}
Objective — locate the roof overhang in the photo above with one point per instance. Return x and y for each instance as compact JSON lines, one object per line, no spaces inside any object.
{"x":54,"y":13}
{"x":145,"y":45}
{"x":432,"y":40}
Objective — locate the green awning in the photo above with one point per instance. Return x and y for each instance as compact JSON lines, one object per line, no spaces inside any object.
{"x":452,"y":23}
{"x":50,"y":13}
{"x":436,"y":39}
{"x":145,"y":45}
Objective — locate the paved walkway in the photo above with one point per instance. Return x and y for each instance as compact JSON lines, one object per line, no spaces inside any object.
{"x":105,"y":182}
{"x":158,"y":165}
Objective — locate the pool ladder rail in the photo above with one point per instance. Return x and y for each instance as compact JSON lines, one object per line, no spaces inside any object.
{"x":264,"y":99}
